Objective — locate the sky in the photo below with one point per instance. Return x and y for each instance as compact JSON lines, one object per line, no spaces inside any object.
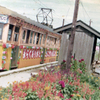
{"x":61,"y":9}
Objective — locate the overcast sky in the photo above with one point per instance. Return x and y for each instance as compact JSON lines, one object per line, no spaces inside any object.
{"x":88,"y":9}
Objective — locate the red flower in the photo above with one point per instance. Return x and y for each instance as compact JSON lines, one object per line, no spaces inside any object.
{"x":72,"y":56}
{"x":99,"y":88}
{"x":71,"y":95}
{"x":62,"y":83}
{"x":21,"y":47}
{"x":61,"y":95}
{"x":12,"y":46}
{"x":64,"y":60}
{"x":3,"y":68}
{"x":10,"y":97}
{"x":82,"y":59}
{"x":5,"y":52}
{"x":2,"y":61}
{"x":17,"y":62}
{"x":79,"y":60}
{"x":4,"y":45}
{"x":44,"y":59}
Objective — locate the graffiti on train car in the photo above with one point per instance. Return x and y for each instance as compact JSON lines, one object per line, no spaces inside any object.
{"x":50,"y":53}
{"x":30,"y":53}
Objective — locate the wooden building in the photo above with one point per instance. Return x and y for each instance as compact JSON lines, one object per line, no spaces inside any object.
{"x":84,"y":42}
{"x":24,"y":42}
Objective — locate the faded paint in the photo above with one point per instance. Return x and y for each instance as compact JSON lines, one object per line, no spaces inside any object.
{"x":8,"y":56}
{"x":1,"y":50}
{"x":27,"y":62}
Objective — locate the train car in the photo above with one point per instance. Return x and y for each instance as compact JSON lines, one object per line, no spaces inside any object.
{"x":24,"y":42}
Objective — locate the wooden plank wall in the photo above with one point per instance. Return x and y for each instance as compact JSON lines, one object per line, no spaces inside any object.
{"x":83,"y":47}
{"x":63,"y":48}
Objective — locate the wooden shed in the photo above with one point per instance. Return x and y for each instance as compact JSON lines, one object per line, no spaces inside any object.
{"x":84,"y":42}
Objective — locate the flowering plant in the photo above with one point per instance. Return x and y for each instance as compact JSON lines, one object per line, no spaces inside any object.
{"x":55,"y":84}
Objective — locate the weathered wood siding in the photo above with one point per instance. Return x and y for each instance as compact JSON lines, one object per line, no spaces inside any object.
{"x":83,"y":47}
{"x":63,"y":48}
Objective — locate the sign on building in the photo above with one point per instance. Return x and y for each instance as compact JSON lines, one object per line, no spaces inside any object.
{"x":3,"y":19}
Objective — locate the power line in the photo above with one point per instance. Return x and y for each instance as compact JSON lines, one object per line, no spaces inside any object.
{"x":42,"y":3}
{"x":84,"y":9}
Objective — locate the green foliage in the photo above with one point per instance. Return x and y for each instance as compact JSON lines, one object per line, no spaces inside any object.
{"x":55,"y":84}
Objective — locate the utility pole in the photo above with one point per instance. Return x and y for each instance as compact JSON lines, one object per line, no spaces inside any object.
{"x":71,"y":41}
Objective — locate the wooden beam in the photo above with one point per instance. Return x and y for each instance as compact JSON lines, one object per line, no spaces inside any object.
{"x":33,"y":37}
{"x":20,"y":35}
{"x":25,"y":36}
{"x":12,"y":37}
{"x":36,"y":38}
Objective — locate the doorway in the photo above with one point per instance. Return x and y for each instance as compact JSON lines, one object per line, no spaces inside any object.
{"x":14,"y":57}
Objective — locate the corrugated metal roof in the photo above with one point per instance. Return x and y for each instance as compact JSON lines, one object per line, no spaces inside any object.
{"x":5,"y":11}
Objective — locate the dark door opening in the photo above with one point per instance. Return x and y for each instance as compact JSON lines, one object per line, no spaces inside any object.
{"x":94,"y":49}
{"x":14,"y":57}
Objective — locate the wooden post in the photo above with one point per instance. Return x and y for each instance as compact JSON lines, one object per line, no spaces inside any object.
{"x":20,"y":35}
{"x":12,"y":37}
{"x":71,"y":41}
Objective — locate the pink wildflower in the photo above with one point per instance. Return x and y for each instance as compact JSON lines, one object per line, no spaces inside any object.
{"x":80,"y":71}
{"x":10,"y":97}
{"x":62,"y":83}
{"x":72,"y":56}
{"x":82,"y":59}
{"x":61,"y":95}
{"x":64,"y":60}
{"x":71,"y":95}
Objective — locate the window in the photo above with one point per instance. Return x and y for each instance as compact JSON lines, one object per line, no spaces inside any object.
{"x":28,"y":35}
{"x":16,"y":34}
{"x":34,"y":38}
{"x":16,"y":37}
{"x":10,"y":32}
{"x":44,"y":36}
{"x":38,"y":35}
{"x":31,"y":36}
{"x":23,"y":36}
{"x":17,"y":29}
{"x":55,"y":40}
{"x":1,"y":28}
{"x":40,"y":39}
